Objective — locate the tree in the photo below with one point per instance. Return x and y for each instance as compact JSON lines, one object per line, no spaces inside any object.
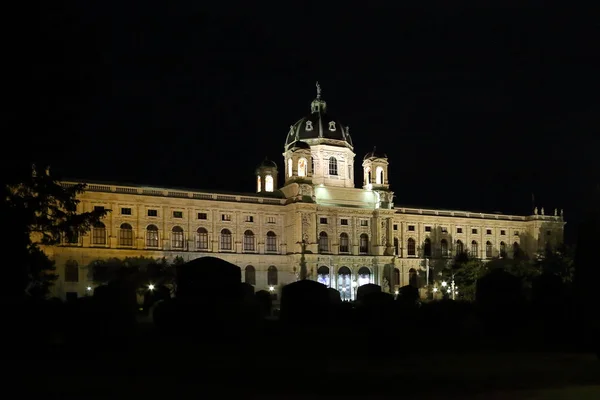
{"x":40,"y":211}
{"x":465,"y":270}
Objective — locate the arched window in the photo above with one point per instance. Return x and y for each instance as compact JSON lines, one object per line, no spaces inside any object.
{"x":323,"y":242}
{"x":289,"y":163}
{"x":396,"y":246}
{"x":344,"y":243}
{"x":258,"y":185}
{"x":333,"y":170}
{"x":151,"y":236}
{"x":271,"y":242}
{"x":177,"y":237}
{"x":411,"y":248}
{"x":268,"y":183}
{"x":488,"y":249}
{"x":226,"y":240}
{"x":396,"y":277}
{"x":323,"y":275}
{"x":427,"y":248}
{"x":71,"y":271}
{"x":379,"y":175}
{"x":444,"y":247}
{"x":460,"y":248}
{"x":249,"y":241}
{"x":250,"y":275}
{"x":502,"y":249}
{"x":474,"y":249}
{"x":516,"y":250}
{"x":364,"y":243}
{"x":302,"y":165}
{"x":413,"y":279}
{"x":272,"y":276}
{"x":344,"y":283}
{"x":125,"y":235}
{"x":367,"y":175}
{"x":202,"y":239}
{"x":364,"y":276}
{"x":71,"y":237}
{"x":99,"y":234}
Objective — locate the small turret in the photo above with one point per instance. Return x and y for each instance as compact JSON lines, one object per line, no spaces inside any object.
{"x":266,"y":176}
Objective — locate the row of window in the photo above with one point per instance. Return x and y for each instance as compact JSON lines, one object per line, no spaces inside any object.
{"x":344,"y":243}
{"x":303,"y":167}
{"x":178,"y":238}
{"x":474,"y":231}
{"x":411,"y":248}
{"x":200,"y":215}
{"x":250,"y":275}
{"x":343,"y":221}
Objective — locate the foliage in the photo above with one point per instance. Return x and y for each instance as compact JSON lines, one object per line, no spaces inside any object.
{"x":142,"y":271}
{"x":39,"y":210}
{"x":465,"y":270}
{"x":560,"y":262}
{"x":41,"y":272}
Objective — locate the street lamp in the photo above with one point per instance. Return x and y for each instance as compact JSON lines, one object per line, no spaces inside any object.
{"x":89,"y":288}
{"x":271,"y":289}
{"x":151,"y":287}
{"x":452,"y":290}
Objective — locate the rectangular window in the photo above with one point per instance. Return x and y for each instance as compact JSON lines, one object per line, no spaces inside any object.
{"x":411,"y":228}
{"x":344,"y":243}
{"x":444,"y":229}
{"x":322,"y":220}
{"x":395,"y":227}
{"x":202,"y":216}
{"x":249,"y":218}
{"x":99,"y":235}
{"x":125,"y":237}
{"x":177,"y":239}
{"x":226,"y":241}
{"x":548,"y":233}
{"x":364,"y":222}
{"x":152,"y":238}
{"x":177,"y":214}
{"x":99,"y":208}
{"x":343,"y":221}
{"x":474,"y":231}
{"x":271,"y":243}
{"x":225,"y":217}
{"x":502,"y":232}
{"x":202,"y":239}
{"x":125,"y":211}
{"x":271,"y":220}
{"x":249,"y":243}
{"x":427,"y":229}
{"x":488,"y":231}
{"x":153,"y":213}
{"x":516,"y":233}
{"x":459,"y":230}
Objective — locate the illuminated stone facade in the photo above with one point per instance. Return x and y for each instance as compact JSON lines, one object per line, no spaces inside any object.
{"x":349,"y":236}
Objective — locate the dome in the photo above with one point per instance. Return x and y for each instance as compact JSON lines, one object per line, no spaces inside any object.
{"x":268,"y":164}
{"x":375,"y":154}
{"x":319,"y":125}
{"x":299,"y":145}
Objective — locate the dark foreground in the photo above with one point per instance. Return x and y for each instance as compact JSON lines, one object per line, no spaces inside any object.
{"x":298,"y":363}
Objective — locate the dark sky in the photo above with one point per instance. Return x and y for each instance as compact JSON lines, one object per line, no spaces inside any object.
{"x":476,"y":108}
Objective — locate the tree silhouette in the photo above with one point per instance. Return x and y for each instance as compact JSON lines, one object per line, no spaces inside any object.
{"x":39,"y":210}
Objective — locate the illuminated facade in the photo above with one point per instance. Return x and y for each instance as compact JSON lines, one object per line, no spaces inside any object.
{"x":349,"y":236}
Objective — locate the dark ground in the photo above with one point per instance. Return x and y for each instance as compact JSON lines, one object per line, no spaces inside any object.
{"x":299,"y":363}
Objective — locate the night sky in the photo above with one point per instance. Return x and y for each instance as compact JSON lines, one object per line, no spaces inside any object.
{"x":476,"y":109}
